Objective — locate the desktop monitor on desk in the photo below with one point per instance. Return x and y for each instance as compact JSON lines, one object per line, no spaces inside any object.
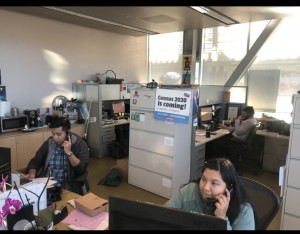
{"x":209,"y":116}
{"x":126,"y":214}
{"x":5,"y":164}
{"x":118,"y":109}
{"x":206,"y":114}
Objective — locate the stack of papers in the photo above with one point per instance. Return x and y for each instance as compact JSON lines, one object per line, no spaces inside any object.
{"x":78,"y":220}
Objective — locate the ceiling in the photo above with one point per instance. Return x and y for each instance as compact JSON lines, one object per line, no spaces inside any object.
{"x":143,"y":20}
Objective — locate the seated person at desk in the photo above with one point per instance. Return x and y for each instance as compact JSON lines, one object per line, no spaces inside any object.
{"x":65,"y":153}
{"x":219,"y":192}
{"x":240,"y":131}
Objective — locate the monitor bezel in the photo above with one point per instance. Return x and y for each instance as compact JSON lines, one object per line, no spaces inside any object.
{"x":129,"y":214}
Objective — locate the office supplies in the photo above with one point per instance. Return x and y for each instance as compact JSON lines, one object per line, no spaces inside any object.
{"x":82,"y":220}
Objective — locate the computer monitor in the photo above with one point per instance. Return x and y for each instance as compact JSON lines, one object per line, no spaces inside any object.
{"x":206,"y":114}
{"x":127,"y":214}
{"x":118,"y":108}
{"x":5,"y":164}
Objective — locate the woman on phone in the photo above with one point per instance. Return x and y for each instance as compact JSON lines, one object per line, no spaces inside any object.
{"x":218,"y":192}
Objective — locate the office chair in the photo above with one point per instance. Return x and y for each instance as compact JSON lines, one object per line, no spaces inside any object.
{"x":265,"y":202}
{"x":246,"y":153}
{"x":82,"y":179}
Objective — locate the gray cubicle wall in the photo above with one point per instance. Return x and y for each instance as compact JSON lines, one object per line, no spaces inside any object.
{"x":211,"y":94}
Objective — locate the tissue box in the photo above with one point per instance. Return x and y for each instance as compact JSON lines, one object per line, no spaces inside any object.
{"x":91,"y":204}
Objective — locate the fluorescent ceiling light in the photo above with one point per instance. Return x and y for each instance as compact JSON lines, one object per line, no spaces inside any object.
{"x":101,"y":20}
{"x":214,"y":14}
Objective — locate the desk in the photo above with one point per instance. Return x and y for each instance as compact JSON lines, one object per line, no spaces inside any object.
{"x":200,"y":148}
{"x":200,"y":137}
{"x":275,"y":150}
{"x":101,"y":134}
{"x":65,"y":197}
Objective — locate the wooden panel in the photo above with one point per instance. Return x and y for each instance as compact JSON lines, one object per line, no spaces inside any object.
{"x":27,"y":145}
{"x":10,"y":142}
{"x":278,"y":146}
{"x":78,"y":129}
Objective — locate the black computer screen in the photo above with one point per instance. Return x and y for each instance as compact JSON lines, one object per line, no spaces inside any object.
{"x":126,"y":214}
{"x":5,"y":164}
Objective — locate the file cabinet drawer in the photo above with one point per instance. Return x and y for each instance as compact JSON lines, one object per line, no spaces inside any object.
{"x":157,"y":143}
{"x":292,"y":196}
{"x":108,"y":138}
{"x":154,"y":162}
{"x":150,"y":181}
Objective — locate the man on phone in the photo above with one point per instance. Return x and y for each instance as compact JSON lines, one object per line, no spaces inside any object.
{"x":239,"y":132}
{"x":64,"y":153}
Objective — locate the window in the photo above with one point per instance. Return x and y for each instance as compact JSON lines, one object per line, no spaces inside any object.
{"x":165,"y":54}
{"x":222,"y":52}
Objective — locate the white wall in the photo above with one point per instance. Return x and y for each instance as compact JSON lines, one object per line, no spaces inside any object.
{"x":41,"y":58}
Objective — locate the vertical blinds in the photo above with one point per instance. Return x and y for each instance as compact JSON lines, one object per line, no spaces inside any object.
{"x":263,"y":88}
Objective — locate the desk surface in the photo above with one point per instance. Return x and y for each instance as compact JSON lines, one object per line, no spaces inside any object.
{"x":200,"y":137}
{"x":65,"y":197}
{"x":271,"y":134}
{"x":110,"y":122}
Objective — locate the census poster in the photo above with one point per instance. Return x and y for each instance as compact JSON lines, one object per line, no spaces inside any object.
{"x":172,"y":105}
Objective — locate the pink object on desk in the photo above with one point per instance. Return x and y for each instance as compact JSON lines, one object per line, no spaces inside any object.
{"x":80,"y":219}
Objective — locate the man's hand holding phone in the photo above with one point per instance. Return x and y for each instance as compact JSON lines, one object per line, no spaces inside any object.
{"x":67,"y":144}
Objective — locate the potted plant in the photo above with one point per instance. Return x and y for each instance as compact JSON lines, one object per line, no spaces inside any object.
{"x":15,"y":210}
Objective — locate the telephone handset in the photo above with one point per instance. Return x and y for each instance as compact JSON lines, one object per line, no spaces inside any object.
{"x":213,"y":200}
{"x":68,"y":137}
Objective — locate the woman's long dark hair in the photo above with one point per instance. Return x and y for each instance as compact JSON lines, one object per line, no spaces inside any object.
{"x":229,"y":175}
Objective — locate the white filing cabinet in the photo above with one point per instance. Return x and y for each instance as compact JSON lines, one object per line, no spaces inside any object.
{"x":162,"y":154}
{"x":290,"y":219}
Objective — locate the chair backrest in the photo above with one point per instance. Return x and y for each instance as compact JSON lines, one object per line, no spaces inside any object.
{"x":249,"y":139}
{"x":265,"y":202}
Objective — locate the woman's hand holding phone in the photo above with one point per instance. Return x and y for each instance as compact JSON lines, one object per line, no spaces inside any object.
{"x":222,"y":204}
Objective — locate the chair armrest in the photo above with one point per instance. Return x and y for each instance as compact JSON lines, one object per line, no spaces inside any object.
{"x":81,"y":177}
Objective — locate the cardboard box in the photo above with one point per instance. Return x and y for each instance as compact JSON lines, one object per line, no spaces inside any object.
{"x":226,"y":96}
{"x":91,"y":204}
